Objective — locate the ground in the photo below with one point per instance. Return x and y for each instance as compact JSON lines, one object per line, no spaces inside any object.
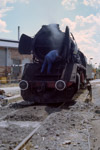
{"x":74,"y":127}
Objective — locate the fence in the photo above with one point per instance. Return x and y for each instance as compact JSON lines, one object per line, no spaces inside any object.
{"x":4,"y":80}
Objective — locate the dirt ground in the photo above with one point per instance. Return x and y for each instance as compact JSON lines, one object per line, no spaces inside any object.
{"x":74,"y":127}
{"x":18,"y":122}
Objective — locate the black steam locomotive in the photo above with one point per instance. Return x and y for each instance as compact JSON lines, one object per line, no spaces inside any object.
{"x":67,"y":74}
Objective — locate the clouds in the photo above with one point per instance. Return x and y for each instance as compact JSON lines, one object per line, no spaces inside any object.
{"x":3,"y":26}
{"x":3,"y":3}
{"x":69,"y":4}
{"x":4,"y":8}
{"x":70,"y":23}
{"x":92,"y":3}
{"x":24,"y":1}
{"x":86,"y":31}
{"x":72,"y":4}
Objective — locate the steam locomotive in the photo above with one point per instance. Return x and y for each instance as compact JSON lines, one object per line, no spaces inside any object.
{"x":67,"y":74}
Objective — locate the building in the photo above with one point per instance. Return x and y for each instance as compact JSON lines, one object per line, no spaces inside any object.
{"x":11,"y":62}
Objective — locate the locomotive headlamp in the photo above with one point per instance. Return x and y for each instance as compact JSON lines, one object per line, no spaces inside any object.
{"x":23,"y":85}
{"x":60,"y":85}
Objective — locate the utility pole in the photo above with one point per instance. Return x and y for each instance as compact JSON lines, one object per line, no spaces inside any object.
{"x":18,"y":33}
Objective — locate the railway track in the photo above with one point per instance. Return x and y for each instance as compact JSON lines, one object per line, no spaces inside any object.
{"x":23,"y":121}
{"x":24,"y":144}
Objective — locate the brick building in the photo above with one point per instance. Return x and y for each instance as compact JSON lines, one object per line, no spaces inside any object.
{"x":11,"y":62}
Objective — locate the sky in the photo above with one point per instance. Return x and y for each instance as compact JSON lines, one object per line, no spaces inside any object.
{"x":82,"y":17}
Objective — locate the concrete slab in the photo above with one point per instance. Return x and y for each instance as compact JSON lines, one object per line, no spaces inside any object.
{"x":15,"y":95}
{"x":12,"y":90}
{"x":95,"y":91}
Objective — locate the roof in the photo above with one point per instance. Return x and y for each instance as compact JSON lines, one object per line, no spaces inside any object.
{"x":9,"y":43}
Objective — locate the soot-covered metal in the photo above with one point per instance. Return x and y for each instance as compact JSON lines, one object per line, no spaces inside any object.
{"x":69,"y":71}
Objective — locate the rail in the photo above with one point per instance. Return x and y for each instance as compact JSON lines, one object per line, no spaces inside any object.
{"x":26,"y":140}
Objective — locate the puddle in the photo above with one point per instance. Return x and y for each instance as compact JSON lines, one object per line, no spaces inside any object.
{"x":22,"y":124}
